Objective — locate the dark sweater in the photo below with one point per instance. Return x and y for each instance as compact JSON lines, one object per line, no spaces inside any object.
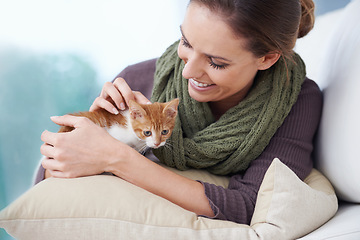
{"x":292,"y":144}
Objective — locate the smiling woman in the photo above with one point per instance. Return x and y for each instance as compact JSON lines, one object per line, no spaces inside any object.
{"x":238,"y":108}
{"x":218,"y":75}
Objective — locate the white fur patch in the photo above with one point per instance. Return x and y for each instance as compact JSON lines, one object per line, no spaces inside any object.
{"x":126,"y":134}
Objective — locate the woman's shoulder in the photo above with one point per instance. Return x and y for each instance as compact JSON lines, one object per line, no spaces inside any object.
{"x":310,"y":87}
{"x":309,"y":102}
{"x":140,"y":76}
{"x":310,"y":97}
{"x":144,"y":66}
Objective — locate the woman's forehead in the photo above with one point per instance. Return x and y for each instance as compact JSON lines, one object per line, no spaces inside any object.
{"x":209,"y":33}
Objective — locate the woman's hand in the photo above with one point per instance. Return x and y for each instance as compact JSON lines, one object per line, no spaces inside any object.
{"x":87,"y":150}
{"x":116,"y":96}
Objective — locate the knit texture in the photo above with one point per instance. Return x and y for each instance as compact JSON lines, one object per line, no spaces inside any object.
{"x":228,"y":145}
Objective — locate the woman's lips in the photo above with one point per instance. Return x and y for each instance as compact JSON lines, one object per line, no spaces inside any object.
{"x":200,"y":86}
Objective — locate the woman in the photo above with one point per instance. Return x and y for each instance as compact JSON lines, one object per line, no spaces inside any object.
{"x":244,"y":101}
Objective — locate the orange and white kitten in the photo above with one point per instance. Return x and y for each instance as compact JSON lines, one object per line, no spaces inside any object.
{"x":141,"y":126}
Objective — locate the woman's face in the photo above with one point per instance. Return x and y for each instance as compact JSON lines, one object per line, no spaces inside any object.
{"x":217,"y":65}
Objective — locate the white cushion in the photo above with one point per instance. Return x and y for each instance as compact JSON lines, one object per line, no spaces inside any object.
{"x":345,"y":225}
{"x":107,"y":207}
{"x":338,"y":143}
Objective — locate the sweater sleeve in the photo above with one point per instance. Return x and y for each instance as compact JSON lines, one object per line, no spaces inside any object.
{"x":292,"y":144}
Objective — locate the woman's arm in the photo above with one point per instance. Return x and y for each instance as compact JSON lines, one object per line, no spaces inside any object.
{"x":152,"y":177}
{"x":292,"y":144}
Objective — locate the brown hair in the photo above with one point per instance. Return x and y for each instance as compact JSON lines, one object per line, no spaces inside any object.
{"x":268,"y":25}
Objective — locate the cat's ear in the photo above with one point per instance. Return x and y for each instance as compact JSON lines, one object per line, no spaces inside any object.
{"x":136,"y":111}
{"x":171,"y":108}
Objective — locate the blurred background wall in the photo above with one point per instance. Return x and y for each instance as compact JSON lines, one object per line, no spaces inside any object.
{"x":56,"y":55}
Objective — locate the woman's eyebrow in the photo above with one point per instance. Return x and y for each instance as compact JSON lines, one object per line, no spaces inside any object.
{"x":218,"y":57}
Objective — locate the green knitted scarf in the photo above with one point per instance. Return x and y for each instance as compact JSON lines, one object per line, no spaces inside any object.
{"x":228,"y":145}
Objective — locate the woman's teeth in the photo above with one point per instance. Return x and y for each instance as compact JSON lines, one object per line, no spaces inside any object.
{"x":199,"y":84}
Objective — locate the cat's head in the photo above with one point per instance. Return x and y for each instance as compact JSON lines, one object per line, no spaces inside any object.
{"x":154,"y":122}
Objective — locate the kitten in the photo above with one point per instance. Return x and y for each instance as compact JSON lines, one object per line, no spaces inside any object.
{"x":141,"y":126}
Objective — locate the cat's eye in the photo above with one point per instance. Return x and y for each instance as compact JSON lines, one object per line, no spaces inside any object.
{"x":164,"y":132}
{"x":147,"y":133}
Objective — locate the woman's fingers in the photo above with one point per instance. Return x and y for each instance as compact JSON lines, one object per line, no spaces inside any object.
{"x":116,"y":96}
{"x":102,"y":103}
{"x":53,"y":168}
{"x":71,"y":121}
{"x":56,"y":174}
{"x":54,"y":139}
{"x":126,"y":93}
{"x":51,"y":164}
{"x":47,"y":150}
{"x":111,"y":93}
{"x":48,"y":138}
{"x":140,"y":98}
{"x":80,"y":152}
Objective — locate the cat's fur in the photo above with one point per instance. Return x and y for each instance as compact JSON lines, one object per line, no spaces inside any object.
{"x":141,"y":126}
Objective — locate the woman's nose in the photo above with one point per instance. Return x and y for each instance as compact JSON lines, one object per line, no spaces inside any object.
{"x":193,"y":69}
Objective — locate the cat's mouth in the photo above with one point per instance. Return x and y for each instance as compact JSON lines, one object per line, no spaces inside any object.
{"x":199,"y":84}
{"x":155,"y":146}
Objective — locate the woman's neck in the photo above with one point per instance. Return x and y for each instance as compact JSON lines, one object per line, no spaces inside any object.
{"x":218,"y":108}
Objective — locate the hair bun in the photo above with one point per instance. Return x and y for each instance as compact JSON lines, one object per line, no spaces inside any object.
{"x":307,"y":17}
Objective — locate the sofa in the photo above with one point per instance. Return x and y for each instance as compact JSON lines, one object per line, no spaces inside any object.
{"x":326,"y":205}
{"x":332,"y":55}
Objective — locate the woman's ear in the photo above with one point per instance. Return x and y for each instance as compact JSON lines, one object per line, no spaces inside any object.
{"x":268,"y":60}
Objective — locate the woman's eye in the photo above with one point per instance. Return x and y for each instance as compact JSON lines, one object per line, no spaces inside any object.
{"x":185,"y":43}
{"x":217,"y":66}
{"x":164,"y":132}
{"x":147,"y":133}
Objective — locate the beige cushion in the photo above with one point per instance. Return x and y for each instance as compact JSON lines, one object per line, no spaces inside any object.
{"x":107,"y":207}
